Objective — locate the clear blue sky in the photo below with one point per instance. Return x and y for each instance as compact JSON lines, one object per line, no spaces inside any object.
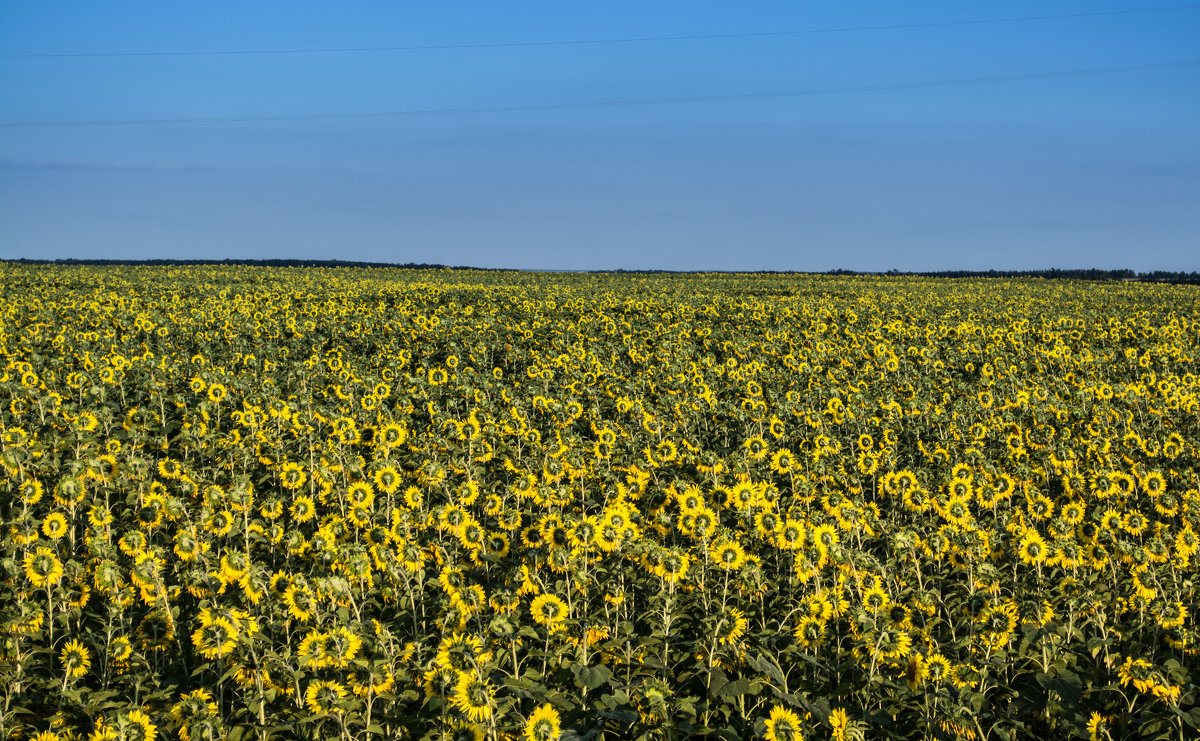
{"x":1084,"y":171}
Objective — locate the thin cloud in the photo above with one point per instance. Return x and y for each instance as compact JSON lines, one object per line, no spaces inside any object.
{"x":85,"y":166}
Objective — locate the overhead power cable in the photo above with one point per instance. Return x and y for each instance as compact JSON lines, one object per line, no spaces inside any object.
{"x":584,"y":42}
{"x":609,"y":103}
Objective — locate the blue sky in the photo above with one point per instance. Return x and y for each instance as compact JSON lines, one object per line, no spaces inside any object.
{"x":1084,"y":171}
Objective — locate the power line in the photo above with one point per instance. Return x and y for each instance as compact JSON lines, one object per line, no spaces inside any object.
{"x":610,"y":103}
{"x":584,"y":42}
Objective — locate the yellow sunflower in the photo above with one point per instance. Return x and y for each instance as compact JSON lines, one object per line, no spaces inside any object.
{"x":783,"y":725}
{"x":543,"y":724}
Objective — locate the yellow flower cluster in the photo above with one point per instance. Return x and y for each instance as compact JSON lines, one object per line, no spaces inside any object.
{"x":414,"y":504}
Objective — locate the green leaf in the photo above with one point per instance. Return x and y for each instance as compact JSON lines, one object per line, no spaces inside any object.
{"x":1191,"y":717}
{"x":737,"y":687}
{"x":591,"y":677}
{"x":620,"y":715}
{"x":718,"y":679}
{"x":768,"y":668}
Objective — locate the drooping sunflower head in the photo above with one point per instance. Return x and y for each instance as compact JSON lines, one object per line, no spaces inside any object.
{"x":43,"y":568}
{"x":76,"y":658}
{"x":474,"y":697}
{"x":728,"y":555}
{"x":324,"y":697}
{"x":549,"y":610}
{"x":783,"y":725}
{"x":543,"y":724}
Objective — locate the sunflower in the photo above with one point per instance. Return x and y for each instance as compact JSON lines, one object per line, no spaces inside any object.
{"x":957,"y":511}
{"x":312,"y":652}
{"x":543,"y":724}
{"x":42,"y":568}
{"x":866,"y":463}
{"x":550,"y":611}
{"x":187,"y":546}
{"x":1154,"y":483}
{"x":414,"y":497}
{"x":875,"y":598}
{"x":31,"y":491}
{"x":303,"y":509}
{"x":392,"y":435}
{"x":371,"y":681}
{"x":825,"y":536}
{"x":440,"y":682}
{"x":742,"y":495}
{"x":1172,"y":615}
{"x":504,"y":600}
{"x":170,"y":469}
{"x":1073,"y":512}
{"x":216,"y":393}
{"x":703,"y":523}
{"x":388,"y":479}
{"x":360,"y":494}
{"x":728,"y":555}
{"x":767,"y":523}
{"x":790,"y":535}
{"x":1040,"y":507}
{"x":412,"y":556}
{"x":360,"y":516}
{"x":1111,"y":520}
{"x":1138,"y":672}
{"x":783,"y":725}
{"x":292,"y":476}
{"x":120,"y":650}
{"x":734,"y":623}
{"x":271,"y":509}
{"x":196,"y":713}
{"x":1135,"y":523}
{"x":76,"y":658}
{"x":462,"y":653}
{"x":146,"y":730}
{"x":1166,"y":505}
{"x":498,"y":544}
{"x":690,"y":499}
{"x":474,"y":697}
{"x":219,"y":523}
{"x":472,"y":536}
{"x":300,"y":603}
{"x":343,"y":646}
{"x":1032,"y":549}
{"x":783,"y":461}
{"x":809,"y":632}
{"x":674,"y":567}
{"x":215,"y":637}
{"x":323,"y":697}
{"x":839,"y":722}
{"x":937,"y":667}
{"x":756,"y":447}
{"x":55,"y":525}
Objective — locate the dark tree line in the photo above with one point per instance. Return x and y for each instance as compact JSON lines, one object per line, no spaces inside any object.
{"x":1157,"y":276}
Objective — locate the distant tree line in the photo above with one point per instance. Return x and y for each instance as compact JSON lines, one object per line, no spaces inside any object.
{"x":1157,"y":276}
{"x":274,"y":263}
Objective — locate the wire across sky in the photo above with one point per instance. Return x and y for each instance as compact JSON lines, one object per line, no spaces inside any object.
{"x":610,"y":103}
{"x":546,"y":135}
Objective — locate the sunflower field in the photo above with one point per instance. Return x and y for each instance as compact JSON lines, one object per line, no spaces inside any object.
{"x":251,"y":503}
